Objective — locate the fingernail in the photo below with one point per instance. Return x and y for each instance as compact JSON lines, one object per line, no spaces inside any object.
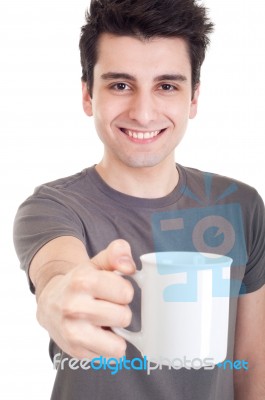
{"x":126,"y":264}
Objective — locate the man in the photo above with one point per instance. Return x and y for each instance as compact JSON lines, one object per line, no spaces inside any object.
{"x":141,"y":79}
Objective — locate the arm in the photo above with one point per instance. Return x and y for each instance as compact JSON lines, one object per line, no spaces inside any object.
{"x":77,"y":296}
{"x":250,"y":346}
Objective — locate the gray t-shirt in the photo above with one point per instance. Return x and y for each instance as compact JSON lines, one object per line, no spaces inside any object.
{"x":205,"y":212}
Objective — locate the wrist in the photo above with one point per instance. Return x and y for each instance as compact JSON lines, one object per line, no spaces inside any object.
{"x":47,"y":272}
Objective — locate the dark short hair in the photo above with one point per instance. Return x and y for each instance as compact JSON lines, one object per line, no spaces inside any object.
{"x":146,"y":19}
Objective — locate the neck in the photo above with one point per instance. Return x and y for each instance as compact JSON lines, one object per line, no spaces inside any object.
{"x":149,"y":182}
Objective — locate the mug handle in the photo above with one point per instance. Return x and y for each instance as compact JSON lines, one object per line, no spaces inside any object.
{"x":134,"y":338}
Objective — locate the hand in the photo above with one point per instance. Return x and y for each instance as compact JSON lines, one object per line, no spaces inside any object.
{"x":77,"y":308}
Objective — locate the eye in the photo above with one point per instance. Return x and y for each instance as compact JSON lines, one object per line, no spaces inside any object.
{"x":167,"y":87}
{"x":121,"y":87}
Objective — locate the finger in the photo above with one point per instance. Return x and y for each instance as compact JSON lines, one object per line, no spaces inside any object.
{"x":97,"y":284}
{"x":99,"y":312}
{"x":75,"y":351}
{"x":89,"y":338}
{"x":117,"y":256}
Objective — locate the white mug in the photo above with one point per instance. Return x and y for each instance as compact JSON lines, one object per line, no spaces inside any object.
{"x":184,"y":307}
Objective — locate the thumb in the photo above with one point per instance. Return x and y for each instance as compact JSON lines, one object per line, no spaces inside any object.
{"x":117,"y":256}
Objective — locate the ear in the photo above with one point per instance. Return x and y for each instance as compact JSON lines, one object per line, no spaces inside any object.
{"x":86,"y":99}
{"x":194,"y":102}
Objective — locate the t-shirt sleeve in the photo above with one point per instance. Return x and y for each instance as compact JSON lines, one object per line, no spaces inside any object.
{"x":254,"y":277}
{"x":40,"y":219}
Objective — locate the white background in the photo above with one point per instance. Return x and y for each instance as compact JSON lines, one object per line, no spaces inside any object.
{"x":45,"y":135}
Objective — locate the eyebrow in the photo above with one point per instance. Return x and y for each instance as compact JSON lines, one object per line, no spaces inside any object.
{"x":118,"y":75}
{"x":171,"y":77}
{"x":164,"y":77}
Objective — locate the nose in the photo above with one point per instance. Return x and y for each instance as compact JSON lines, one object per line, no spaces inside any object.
{"x":143,"y":108}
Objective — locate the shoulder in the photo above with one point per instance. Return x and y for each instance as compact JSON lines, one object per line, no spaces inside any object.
{"x":215,"y":188}
{"x":64,"y":190}
{"x":58,"y":195}
{"x":64,"y":183}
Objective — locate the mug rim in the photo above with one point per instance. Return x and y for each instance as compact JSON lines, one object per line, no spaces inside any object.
{"x":216,"y":259}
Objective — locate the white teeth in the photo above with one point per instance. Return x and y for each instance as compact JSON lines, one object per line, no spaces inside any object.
{"x":141,"y":135}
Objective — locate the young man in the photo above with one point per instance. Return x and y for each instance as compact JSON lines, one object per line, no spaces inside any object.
{"x":141,"y":68}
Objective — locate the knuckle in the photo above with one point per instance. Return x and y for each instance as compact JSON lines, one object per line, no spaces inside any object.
{"x":77,"y":352}
{"x":126,"y":317}
{"x":77,"y":283}
{"x":122,"y":243}
{"x":68,"y":332}
{"x":128,"y":292}
{"x":71,"y":335}
{"x":119,"y":349}
{"x":67,"y":309}
{"x":84,"y":282}
{"x":92,"y":313}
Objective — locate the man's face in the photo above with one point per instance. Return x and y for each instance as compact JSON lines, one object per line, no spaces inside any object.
{"x":142,"y":99}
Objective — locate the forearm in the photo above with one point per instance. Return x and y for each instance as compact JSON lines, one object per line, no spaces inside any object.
{"x":57,"y":257}
{"x":44,"y":274}
{"x":250,"y":384}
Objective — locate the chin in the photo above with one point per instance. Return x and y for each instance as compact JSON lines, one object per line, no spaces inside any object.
{"x":142,"y":162}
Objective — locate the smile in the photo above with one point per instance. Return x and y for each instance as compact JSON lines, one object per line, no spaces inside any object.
{"x":141,"y":135}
